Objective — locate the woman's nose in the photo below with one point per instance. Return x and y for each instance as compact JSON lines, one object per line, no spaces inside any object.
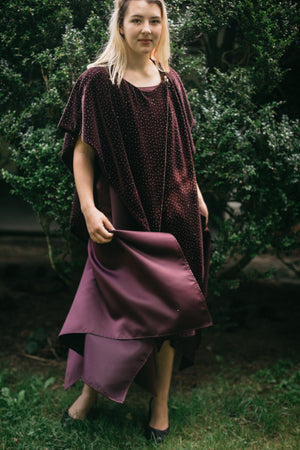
{"x":146,"y":28}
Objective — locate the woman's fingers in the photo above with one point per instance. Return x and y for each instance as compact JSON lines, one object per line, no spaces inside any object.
{"x":103,"y":232}
{"x":203,"y":210}
{"x":108,"y":225}
{"x":206,"y":217}
{"x":101,"y":236}
{"x":202,"y":205}
{"x":99,"y":227}
{"x":99,"y":239}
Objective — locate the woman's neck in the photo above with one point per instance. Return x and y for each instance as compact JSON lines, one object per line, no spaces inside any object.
{"x":140,"y":65}
{"x":142,"y":73}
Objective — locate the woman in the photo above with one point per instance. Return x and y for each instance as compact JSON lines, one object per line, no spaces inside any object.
{"x":128,"y":140}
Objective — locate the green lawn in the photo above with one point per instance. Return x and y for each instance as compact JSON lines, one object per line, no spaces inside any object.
{"x":230,"y":411}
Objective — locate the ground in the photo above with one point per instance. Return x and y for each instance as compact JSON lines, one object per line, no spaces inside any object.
{"x":254,"y":327}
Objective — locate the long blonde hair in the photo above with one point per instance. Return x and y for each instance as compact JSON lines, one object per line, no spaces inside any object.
{"x":114,"y":54}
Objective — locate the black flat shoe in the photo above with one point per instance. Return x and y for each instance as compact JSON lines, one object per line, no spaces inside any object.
{"x":157,"y":436}
{"x":153,"y":434}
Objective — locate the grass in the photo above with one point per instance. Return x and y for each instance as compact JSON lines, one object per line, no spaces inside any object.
{"x":230,"y":411}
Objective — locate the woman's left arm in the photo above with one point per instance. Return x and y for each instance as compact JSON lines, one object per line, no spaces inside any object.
{"x":202,"y":205}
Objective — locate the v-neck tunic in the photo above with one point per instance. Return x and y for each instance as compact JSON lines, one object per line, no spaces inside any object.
{"x":144,"y":131}
{"x":144,"y":182}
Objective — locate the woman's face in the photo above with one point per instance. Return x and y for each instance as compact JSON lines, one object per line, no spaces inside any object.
{"x":141,"y":27}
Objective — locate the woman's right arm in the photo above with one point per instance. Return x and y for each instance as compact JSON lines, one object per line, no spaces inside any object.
{"x":83,"y":166}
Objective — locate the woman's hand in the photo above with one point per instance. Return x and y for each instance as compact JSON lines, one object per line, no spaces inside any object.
{"x":203,"y":210}
{"x":98,"y":225}
{"x":202,"y":205}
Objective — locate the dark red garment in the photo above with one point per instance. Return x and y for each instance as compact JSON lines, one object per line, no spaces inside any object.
{"x":145,"y":182}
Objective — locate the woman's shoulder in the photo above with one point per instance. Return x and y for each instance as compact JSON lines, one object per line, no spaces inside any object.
{"x":175,"y":79}
{"x":98,"y":75}
{"x":173,"y":74}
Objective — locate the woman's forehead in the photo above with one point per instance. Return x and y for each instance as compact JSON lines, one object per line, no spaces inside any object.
{"x":143,"y":8}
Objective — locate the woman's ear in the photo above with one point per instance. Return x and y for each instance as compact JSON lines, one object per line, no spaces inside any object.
{"x":121,"y":30}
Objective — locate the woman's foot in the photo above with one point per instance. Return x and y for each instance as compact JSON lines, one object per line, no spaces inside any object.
{"x":158,"y":426}
{"x":82,"y":406}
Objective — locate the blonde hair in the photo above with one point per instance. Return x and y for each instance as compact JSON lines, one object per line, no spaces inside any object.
{"x":114,"y":55}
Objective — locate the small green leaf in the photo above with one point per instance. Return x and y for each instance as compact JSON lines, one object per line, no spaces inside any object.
{"x":48,"y":382}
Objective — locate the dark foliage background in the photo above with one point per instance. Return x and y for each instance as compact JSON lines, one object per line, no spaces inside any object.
{"x":239,"y":61}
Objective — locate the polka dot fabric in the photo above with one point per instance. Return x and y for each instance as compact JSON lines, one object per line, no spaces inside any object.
{"x":144,"y":147}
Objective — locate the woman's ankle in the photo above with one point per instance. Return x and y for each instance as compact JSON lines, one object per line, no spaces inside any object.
{"x":88,"y":391}
{"x":159,"y":413}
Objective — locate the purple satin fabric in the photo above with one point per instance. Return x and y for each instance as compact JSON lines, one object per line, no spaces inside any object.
{"x":106,"y":374}
{"x":133,"y":291}
{"x":146,"y":288}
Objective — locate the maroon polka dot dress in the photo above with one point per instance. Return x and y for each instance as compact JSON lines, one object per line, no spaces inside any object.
{"x":150,"y":282}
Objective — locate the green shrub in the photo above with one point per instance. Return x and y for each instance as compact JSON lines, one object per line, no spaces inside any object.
{"x":232,"y":57}
{"x":247,"y":161}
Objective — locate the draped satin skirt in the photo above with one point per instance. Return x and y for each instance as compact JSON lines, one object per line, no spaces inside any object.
{"x":134,"y":292}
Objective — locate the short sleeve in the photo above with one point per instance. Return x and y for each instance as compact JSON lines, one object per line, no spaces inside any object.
{"x":82,"y":116}
{"x":187,"y":110}
{"x":185,"y":101}
{"x":70,"y":122}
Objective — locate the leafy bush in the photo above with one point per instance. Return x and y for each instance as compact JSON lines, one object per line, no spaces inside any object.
{"x":46,"y":186}
{"x":232,"y":57}
{"x":248,"y":163}
{"x":31,"y":130}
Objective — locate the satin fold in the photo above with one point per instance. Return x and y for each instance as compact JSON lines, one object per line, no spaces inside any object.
{"x":109,"y":378}
{"x":146,"y":286}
